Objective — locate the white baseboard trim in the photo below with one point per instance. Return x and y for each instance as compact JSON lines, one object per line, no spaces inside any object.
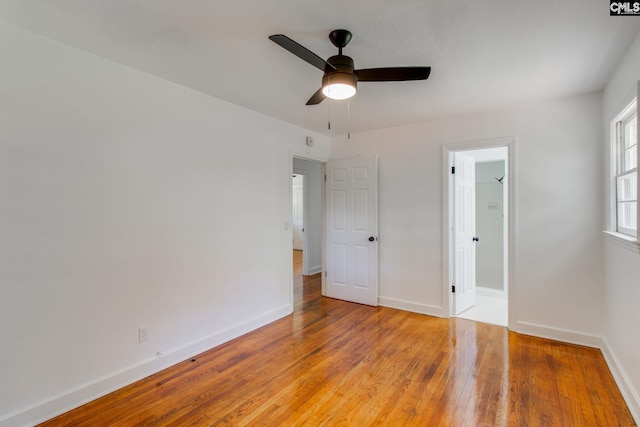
{"x":71,"y":399}
{"x":64,"y":402}
{"x":556,"y":334}
{"x":629,"y":393}
{"x":315,"y":270}
{"x":490,"y":292}
{"x":412,"y":306}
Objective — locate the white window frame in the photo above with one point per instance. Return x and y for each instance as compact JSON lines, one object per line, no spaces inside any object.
{"x":626,"y":237}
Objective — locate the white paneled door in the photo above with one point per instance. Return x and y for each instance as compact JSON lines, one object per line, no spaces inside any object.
{"x":352,"y":227}
{"x":298,"y":211}
{"x":464,"y":229}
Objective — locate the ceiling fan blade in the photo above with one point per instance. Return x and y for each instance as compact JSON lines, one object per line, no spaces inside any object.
{"x":302,"y":52}
{"x":316,"y":98}
{"x":392,"y":74}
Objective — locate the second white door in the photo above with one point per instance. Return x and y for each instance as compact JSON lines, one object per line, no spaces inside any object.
{"x":352,"y":225}
{"x":464,"y":229}
{"x":298,"y":211}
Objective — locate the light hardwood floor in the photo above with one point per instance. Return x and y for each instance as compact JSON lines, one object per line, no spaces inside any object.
{"x":334,"y":363}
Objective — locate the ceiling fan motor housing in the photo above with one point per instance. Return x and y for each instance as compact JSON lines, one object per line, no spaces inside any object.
{"x":343,"y":74}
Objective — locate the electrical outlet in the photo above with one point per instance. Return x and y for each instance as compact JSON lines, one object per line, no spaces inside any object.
{"x":143,"y":334}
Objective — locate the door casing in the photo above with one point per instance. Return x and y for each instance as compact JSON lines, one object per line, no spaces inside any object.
{"x":447,"y":247}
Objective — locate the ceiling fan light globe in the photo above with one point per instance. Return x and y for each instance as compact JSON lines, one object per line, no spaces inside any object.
{"x":339,"y":91}
{"x":340,"y":85}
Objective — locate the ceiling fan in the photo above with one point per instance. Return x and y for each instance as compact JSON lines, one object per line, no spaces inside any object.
{"x":340,"y":79}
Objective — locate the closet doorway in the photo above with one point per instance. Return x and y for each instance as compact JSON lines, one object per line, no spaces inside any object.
{"x":478,"y":211}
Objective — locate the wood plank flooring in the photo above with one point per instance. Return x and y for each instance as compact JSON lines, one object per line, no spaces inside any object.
{"x":334,"y":363}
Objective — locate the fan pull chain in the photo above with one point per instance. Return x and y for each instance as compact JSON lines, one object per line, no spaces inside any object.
{"x":329,"y":115}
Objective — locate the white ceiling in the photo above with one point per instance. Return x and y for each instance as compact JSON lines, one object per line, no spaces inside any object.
{"x":484,"y":54}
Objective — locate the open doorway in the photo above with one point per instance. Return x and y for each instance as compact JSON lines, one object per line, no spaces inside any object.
{"x":307,"y":188}
{"x":479,"y":233}
{"x":307,"y":221}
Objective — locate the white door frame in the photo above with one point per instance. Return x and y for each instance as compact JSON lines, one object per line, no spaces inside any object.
{"x":322,"y":161}
{"x":447,"y":224}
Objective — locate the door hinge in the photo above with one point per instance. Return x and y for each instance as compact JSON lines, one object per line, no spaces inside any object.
{"x":325,"y":177}
{"x":453,"y":288}
{"x":453,"y":169}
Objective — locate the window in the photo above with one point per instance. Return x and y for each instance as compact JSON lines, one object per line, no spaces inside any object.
{"x":625,"y":167}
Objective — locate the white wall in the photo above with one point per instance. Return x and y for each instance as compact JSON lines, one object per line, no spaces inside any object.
{"x":622,"y":265}
{"x":313,"y":231}
{"x":489,"y":225}
{"x":115,"y":213}
{"x":121,"y":206}
{"x":487,"y":172}
{"x":559,"y":274}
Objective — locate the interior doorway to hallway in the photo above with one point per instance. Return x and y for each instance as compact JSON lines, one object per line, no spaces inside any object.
{"x":307,"y":198}
{"x":478,"y":211}
{"x":307,"y":215}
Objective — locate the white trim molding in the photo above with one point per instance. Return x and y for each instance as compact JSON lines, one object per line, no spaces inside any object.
{"x":490,"y":292}
{"x":622,"y":380}
{"x":627,"y":242}
{"x":429,"y":310}
{"x":629,"y":393}
{"x":315,"y":270}
{"x":558,"y":334}
{"x":62,"y":403}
